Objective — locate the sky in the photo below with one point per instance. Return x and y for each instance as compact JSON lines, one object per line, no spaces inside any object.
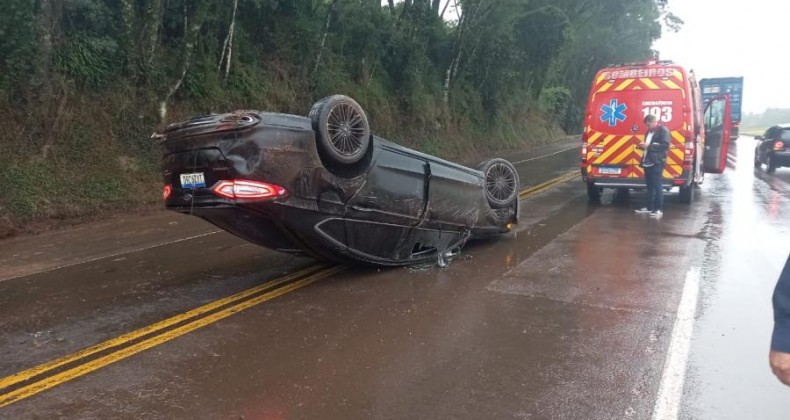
{"x":724,"y":38}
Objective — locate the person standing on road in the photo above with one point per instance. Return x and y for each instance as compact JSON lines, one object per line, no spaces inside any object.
{"x":780,"y":342}
{"x":656,"y":145}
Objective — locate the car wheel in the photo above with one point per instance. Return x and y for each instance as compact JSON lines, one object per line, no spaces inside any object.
{"x":501,"y":183}
{"x":342,"y":129}
{"x":687,"y":194}
{"x":757,"y":163}
{"x":594,"y":193}
{"x":770,"y":166}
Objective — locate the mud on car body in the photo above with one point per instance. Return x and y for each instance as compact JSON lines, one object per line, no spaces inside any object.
{"x":324,"y":186}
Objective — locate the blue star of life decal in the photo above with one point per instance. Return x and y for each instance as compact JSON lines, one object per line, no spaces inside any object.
{"x":613,"y":113}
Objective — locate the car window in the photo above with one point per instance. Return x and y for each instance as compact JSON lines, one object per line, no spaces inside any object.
{"x":785,"y":136}
{"x":714,"y":114}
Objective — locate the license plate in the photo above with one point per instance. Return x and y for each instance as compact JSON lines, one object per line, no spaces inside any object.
{"x":196,"y":180}
{"x":608,"y":170}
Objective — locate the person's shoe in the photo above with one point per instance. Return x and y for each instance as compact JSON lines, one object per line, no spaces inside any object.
{"x":657,"y":213}
{"x":643,"y":210}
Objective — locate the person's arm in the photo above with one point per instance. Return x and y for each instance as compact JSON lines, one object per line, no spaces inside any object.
{"x":660,"y":142}
{"x":780,"y":341}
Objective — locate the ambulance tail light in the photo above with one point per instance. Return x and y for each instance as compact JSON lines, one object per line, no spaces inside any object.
{"x":584,"y":153}
{"x":779,"y":145}
{"x":688,"y":155}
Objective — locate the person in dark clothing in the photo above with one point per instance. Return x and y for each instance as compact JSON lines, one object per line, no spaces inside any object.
{"x":656,"y":145}
{"x":780,"y":342}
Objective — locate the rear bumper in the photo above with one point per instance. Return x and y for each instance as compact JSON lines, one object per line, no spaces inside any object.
{"x":633,"y":183}
{"x":781,"y":158}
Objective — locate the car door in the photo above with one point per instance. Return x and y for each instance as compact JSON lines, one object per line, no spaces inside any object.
{"x":717,"y":134}
{"x":380,"y":217}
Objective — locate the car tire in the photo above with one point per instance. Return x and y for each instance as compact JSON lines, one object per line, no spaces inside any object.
{"x":594,"y":193}
{"x":757,"y":163}
{"x":342,"y":130}
{"x":687,"y":194}
{"x":501,"y":183}
{"x":770,"y":166}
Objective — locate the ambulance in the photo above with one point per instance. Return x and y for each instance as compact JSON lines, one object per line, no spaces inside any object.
{"x":621,"y":97}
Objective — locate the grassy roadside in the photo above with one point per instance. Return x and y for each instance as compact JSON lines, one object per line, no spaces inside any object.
{"x":752,"y":131}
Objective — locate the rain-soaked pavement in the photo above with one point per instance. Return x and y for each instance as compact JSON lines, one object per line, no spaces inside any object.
{"x":578,"y":315}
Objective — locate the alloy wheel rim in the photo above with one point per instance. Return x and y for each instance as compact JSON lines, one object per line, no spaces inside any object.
{"x":500,"y":182}
{"x":346,"y":129}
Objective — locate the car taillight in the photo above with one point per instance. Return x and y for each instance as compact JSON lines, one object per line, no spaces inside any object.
{"x":166,"y":191}
{"x":584,"y":153}
{"x":247,"y":190}
{"x":779,"y":145}
{"x":688,"y":156}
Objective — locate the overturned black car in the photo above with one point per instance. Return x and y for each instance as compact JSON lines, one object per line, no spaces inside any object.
{"x":323,"y":186}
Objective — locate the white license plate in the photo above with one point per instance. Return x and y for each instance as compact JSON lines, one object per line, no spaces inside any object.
{"x":196,"y":180}
{"x":608,"y":170}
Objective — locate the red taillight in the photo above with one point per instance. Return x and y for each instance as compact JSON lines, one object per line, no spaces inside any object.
{"x":166,"y":191}
{"x":247,"y":190}
{"x":688,"y":156}
{"x":779,"y":145}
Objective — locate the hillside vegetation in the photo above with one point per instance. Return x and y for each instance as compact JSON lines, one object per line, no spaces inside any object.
{"x":84,"y":83}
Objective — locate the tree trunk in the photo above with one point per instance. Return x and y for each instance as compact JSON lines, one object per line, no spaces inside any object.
{"x":191,"y":31}
{"x":153,"y":21}
{"x":392,"y":6}
{"x":45,"y":22}
{"x":227,"y":46}
{"x":444,"y":9}
{"x":128,"y":18}
{"x":436,"y":5}
{"x":464,"y":20}
{"x":323,"y":36}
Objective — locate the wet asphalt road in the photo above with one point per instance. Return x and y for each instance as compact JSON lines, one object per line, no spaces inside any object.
{"x":571,"y":317}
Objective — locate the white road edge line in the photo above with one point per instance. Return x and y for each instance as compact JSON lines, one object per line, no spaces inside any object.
{"x":670,"y":393}
{"x":115,"y":254}
{"x":545,"y":156}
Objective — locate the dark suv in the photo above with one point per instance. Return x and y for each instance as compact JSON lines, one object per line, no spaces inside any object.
{"x":773,"y":148}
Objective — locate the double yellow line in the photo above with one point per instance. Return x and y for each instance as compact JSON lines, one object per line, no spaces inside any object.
{"x":45,"y":376}
{"x":25,"y":384}
{"x":536,"y":189}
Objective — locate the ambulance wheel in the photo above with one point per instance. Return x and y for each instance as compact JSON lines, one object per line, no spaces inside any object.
{"x":687,"y":194}
{"x":594,"y":193}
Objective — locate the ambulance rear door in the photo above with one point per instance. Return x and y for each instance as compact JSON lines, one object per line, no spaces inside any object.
{"x":717,"y":134}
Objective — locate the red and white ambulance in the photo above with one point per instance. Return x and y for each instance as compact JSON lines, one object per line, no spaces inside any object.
{"x":621,"y":97}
